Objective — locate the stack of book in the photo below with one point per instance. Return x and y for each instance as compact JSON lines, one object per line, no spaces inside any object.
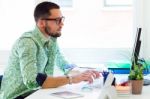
{"x":123,"y":90}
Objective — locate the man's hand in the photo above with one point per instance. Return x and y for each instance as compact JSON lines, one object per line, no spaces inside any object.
{"x":88,"y":75}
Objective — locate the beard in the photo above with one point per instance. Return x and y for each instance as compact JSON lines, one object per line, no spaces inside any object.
{"x":48,"y":32}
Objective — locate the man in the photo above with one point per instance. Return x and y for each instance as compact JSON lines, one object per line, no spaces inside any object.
{"x":34,"y":55}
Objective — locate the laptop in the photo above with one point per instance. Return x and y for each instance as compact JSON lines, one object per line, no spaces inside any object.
{"x":108,"y":91}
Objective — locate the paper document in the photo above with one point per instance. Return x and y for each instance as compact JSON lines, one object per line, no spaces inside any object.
{"x":67,"y":94}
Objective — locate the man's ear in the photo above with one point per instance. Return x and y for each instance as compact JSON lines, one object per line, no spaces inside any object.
{"x":41,"y":23}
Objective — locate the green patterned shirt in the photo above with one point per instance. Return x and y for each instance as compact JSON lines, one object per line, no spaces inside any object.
{"x":31,"y":54}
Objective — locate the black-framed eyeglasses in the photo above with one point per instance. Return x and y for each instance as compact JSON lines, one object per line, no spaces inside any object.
{"x":57,"y":20}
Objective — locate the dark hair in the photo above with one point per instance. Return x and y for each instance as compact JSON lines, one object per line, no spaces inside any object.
{"x":42,"y":10}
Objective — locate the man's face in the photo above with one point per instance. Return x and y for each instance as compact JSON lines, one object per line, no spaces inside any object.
{"x":54,"y":23}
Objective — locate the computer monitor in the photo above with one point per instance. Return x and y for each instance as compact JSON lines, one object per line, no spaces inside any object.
{"x":136,"y":48}
{"x":136,"y":51}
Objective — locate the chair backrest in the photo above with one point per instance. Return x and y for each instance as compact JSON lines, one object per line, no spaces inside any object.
{"x":1,"y":76}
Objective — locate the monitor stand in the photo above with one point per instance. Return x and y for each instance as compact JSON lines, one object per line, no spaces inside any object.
{"x":146,"y":82}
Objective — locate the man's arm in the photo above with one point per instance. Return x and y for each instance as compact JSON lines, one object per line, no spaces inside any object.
{"x":52,"y":82}
{"x":27,"y":54}
{"x":26,"y":51}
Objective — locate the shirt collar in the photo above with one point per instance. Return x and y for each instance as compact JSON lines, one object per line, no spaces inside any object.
{"x":40,"y":36}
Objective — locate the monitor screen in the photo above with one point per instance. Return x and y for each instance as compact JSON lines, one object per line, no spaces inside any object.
{"x":136,"y":48}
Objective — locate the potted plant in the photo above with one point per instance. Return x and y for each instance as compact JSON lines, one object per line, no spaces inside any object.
{"x":136,"y":77}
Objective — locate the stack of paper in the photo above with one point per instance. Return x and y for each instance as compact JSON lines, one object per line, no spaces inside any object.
{"x":66,"y":94}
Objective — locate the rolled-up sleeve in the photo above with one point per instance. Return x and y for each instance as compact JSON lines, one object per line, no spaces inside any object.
{"x":27,"y":50}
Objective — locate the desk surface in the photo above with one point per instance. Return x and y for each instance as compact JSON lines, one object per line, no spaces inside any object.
{"x":93,"y":94}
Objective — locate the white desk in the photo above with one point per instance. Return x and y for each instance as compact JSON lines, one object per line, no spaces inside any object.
{"x":46,"y":93}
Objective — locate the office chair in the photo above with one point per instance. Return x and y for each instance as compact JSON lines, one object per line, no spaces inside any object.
{"x":1,"y":76}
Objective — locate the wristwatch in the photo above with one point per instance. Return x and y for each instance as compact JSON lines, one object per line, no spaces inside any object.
{"x":70,"y":79}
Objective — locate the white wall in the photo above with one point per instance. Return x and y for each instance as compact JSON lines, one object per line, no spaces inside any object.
{"x":142,"y":19}
{"x":88,"y":21}
{"x":146,"y":28}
